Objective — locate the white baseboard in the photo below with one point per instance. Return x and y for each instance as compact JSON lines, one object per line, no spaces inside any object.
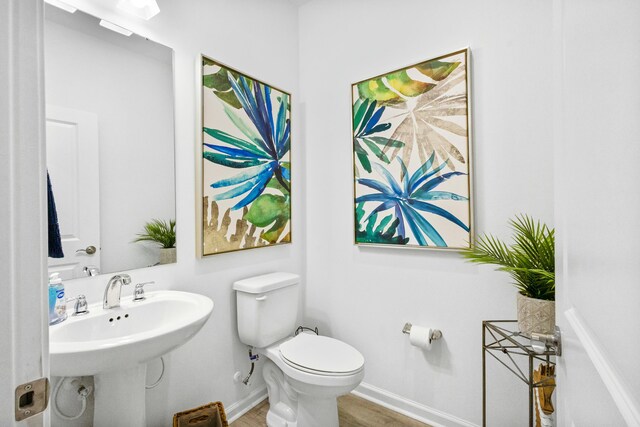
{"x":241,"y":407}
{"x":411,"y":409}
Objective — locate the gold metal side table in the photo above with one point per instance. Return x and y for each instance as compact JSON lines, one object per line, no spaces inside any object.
{"x":502,"y":341}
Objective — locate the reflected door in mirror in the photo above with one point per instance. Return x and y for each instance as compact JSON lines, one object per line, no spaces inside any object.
{"x":72,"y":161}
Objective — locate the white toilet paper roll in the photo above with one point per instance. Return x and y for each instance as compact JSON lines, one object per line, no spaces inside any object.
{"x":419,"y":336}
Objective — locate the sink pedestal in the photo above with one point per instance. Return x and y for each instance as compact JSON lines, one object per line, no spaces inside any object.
{"x":120,"y":397}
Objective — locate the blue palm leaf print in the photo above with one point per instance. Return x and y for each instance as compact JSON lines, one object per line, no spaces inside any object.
{"x":266,"y":142}
{"x":412,"y":197}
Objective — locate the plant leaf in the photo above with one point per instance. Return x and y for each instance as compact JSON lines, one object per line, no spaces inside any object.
{"x":367,"y":116}
{"x":235,"y":152}
{"x":437,"y":70}
{"x":372,"y":198}
{"x":160,"y":232}
{"x":388,"y":204}
{"x":402,"y":83}
{"x":269,"y":209}
{"x":431,"y":208}
{"x":236,"y":142}
{"x":413,"y":224}
{"x":377,"y":234}
{"x":219,"y":82}
{"x":231,"y":162}
{"x":440,"y":195}
{"x":425,"y":226}
{"x":530,"y":260}
{"x":359,"y":109}
{"x":387,"y":142}
{"x":266,"y":209}
{"x":375,"y":150}
{"x":390,"y":179}
{"x":229,"y":98}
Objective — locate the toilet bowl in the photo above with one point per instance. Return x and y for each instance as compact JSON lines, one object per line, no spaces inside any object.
{"x":316,"y":370}
{"x":305,"y":373}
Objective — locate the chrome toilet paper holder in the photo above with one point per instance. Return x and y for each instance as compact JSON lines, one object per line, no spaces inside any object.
{"x":436,"y":334}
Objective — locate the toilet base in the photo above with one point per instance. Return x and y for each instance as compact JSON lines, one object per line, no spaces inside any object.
{"x":296,"y":404}
{"x":317,"y":412}
{"x":312,"y":412}
{"x":283,"y":401}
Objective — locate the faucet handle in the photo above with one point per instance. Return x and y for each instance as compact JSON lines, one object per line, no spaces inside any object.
{"x":91,"y":270}
{"x":138,"y":293}
{"x":80,"y":307}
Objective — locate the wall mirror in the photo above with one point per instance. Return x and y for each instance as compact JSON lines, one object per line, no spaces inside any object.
{"x":110,"y":143}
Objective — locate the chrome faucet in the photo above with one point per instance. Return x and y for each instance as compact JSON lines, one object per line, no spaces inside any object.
{"x":91,"y":271}
{"x":112,"y":291}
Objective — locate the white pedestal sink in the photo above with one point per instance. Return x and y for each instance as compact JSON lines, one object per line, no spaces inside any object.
{"x":114,"y":346}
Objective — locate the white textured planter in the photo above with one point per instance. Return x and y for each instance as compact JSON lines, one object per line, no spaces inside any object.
{"x":536,"y":315}
{"x":167,"y":255}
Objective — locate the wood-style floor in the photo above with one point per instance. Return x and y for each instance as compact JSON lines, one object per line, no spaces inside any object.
{"x":352,"y":410}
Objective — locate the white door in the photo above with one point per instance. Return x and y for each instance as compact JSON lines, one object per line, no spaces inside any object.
{"x":24,"y":337}
{"x":597,"y":177}
{"x":72,"y":161}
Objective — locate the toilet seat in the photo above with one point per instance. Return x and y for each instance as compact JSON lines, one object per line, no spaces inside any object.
{"x":321,"y":355}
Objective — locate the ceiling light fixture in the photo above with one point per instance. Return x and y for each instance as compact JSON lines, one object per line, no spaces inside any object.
{"x":145,"y":9}
{"x":113,"y":27}
{"x":61,"y":5}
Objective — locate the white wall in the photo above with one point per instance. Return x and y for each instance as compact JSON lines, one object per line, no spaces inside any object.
{"x":90,"y":68}
{"x":261,"y":39}
{"x":365,"y":295}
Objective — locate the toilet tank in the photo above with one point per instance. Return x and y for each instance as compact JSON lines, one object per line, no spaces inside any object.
{"x":267,"y":308}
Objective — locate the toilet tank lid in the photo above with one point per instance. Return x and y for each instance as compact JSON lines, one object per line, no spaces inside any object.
{"x":266,"y":282}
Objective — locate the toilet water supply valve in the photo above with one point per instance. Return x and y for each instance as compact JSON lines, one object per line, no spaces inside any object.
{"x":253,"y":358}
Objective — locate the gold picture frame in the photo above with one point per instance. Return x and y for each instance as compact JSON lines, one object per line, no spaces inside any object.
{"x":243,"y":187}
{"x":414,"y":121}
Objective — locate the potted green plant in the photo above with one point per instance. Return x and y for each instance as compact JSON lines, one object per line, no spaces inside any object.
{"x":530,"y":261}
{"x":164,"y":234}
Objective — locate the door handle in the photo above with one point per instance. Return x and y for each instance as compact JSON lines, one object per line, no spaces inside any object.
{"x":547,"y":342}
{"x":89,"y":250}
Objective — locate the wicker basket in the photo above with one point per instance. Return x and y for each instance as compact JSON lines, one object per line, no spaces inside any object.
{"x":210,"y":415}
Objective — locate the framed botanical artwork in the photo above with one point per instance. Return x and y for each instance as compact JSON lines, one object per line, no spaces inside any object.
{"x":412,"y":154}
{"x":245,"y":166}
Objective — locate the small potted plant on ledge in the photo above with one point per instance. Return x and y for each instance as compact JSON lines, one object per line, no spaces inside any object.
{"x":164,"y":234}
{"x":530,"y":261}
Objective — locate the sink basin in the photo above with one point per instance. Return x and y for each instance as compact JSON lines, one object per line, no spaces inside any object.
{"x":135,"y":332}
{"x":114,"y":345}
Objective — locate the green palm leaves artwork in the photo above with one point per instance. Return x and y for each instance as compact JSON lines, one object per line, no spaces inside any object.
{"x":411,"y":156}
{"x":246,"y":161}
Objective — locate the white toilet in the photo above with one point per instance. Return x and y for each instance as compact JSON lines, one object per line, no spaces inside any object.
{"x":304,"y":373}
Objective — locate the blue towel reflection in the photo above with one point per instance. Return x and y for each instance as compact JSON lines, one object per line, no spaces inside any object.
{"x":55,"y":242}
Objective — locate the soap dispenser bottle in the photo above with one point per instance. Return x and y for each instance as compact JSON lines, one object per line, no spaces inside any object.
{"x":57,"y":301}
